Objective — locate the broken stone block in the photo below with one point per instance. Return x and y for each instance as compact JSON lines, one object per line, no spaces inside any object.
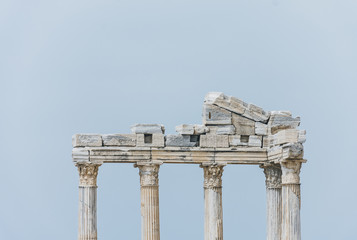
{"x":243,"y":125}
{"x":211,"y":97}
{"x":212,"y":130}
{"x":236,"y":140}
{"x":293,"y":151}
{"x":285,"y":136}
{"x":230,"y":103}
{"x":213,"y":115}
{"x":87,"y":140}
{"x":255,"y":141}
{"x":214,"y":141}
{"x":200,"y":129}
{"x":191,"y":129}
{"x":221,"y":130}
{"x":182,"y":140}
{"x":302,"y":136}
{"x":261,"y":128}
{"x":279,"y":122}
{"x":225,"y":130}
{"x":148,"y":128}
{"x":237,"y":106}
{"x":150,"y":140}
{"x":275,"y":153}
{"x":256,"y":113}
{"x":125,"y":140}
{"x":283,"y":113}
{"x":186,"y":129}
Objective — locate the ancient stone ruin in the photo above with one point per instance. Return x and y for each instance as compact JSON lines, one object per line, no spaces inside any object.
{"x":232,"y":132}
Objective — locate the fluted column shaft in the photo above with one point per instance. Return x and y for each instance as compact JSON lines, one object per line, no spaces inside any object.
{"x":291,"y":201}
{"x":213,"y":229}
{"x":149,"y":182}
{"x":87,"y":224}
{"x":274,"y":208}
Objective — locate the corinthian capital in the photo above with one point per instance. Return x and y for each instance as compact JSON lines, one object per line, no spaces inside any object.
{"x":291,"y":172}
{"x":212,"y":175}
{"x":272,"y":175}
{"x":88,"y":173}
{"x":149,"y":173}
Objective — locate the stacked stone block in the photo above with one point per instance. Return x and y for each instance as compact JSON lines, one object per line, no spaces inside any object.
{"x":228,"y":122}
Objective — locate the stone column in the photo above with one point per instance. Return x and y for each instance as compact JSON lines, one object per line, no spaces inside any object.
{"x":291,"y":202}
{"x":274,"y":209}
{"x":213,"y":229}
{"x":87,"y":224}
{"x":149,"y":182}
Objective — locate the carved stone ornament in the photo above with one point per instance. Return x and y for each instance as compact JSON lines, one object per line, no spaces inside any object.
{"x":149,"y":173}
{"x":290,"y":172}
{"x":212,"y":175}
{"x":272,"y":175}
{"x":88,"y":173}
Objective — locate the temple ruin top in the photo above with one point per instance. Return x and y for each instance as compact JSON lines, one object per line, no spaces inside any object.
{"x":232,"y":132}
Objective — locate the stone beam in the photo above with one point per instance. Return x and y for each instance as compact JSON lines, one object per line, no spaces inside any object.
{"x":197,"y":155}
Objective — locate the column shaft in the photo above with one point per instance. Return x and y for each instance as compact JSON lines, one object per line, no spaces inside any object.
{"x":149,"y":181}
{"x":87,"y":225}
{"x":274,"y":208}
{"x":291,"y":227}
{"x":87,"y":222}
{"x":213,"y":229}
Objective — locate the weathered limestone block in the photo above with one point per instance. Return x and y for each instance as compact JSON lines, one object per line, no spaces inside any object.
{"x":283,"y":113}
{"x":148,"y":128}
{"x":256,"y":113}
{"x":293,"y":151}
{"x":242,"y":140}
{"x":230,"y":103}
{"x":265,"y":141}
{"x":125,"y":140}
{"x":243,"y":125}
{"x":214,"y":141}
{"x":261,"y":128}
{"x":275,"y":154}
{"x":235,"y":140}
{"x":255,"y":141}
{"x":150,"y":140}
{"x":280,"y":122}
{"x":185,"y":129}
{"x":200,"y":129}
{"x":87,"y":140}
{"x":222,"y":130}
{"x":182,"y":140}
{"x":302,"y":136}
{"x":213,"y":115}
{"x":80,"y":155}
{"x":285,"y":136}
{"x":191,"y":129}
{"x":226,"y":130}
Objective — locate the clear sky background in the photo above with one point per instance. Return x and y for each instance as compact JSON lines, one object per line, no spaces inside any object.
{"x":100,"y":66}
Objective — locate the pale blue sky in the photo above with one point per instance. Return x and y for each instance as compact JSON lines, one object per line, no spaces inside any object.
{"x":100,"y":66}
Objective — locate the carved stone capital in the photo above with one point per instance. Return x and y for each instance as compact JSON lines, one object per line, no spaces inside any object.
{"x":272,"y":175}
{"x":149,"y":173}
{"x":212,"y":175}
{"x":88,"y":173}
{"x":290,"y":172}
